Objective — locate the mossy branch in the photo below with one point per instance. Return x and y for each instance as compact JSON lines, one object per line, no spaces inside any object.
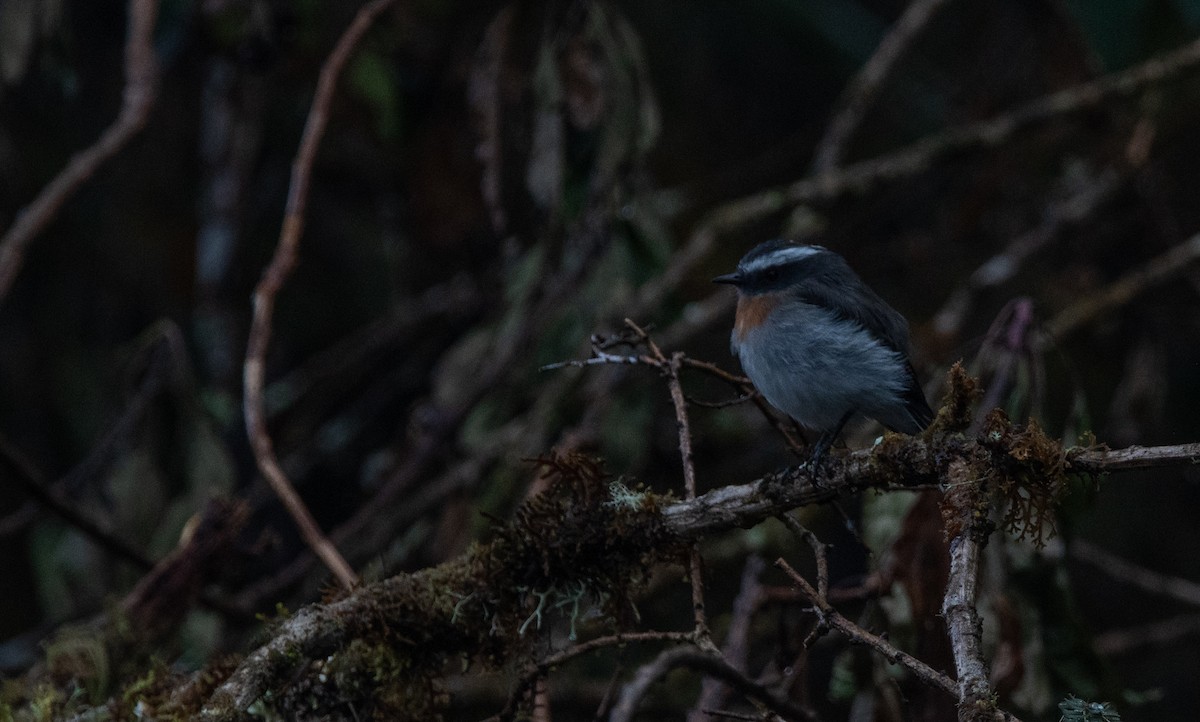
{"x":589,"y":541}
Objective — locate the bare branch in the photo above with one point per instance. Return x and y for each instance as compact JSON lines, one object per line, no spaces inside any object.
{"x":835,"y":620}
{"x":670,"y":368}
{"x":685,"y":432}
{"x":1156,"y":271}
{"x":1058,"y":215}
{"x":690,"y":657}
{"x":741,"y":505}
{"x":958,"y":606}
{"x":856,"y":99}
{"x":1182,"y":590}
{"x":735,"y":651}
{"x":542,"y":667}
{"x":273,"y":279}
{"x":819,"y":549}
{"x":320,"y":629}
{"x":1155,"y":634}
{"x":137,"y":99}
{"x":1098,"y":461}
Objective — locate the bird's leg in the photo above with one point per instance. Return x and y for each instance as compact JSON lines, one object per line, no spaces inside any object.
{"x":823,"y":444}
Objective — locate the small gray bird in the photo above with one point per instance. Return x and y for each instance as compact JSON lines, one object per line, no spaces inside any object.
{"x":820,"y":345}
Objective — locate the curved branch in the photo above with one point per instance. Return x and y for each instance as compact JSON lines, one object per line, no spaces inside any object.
{"x":141,"y":89}
{"x":540,"y":668}
{"x":709,"y":664}
{"x":273,"y":279}
{"x":1157,"y":270}
{"x":1121,"y":570}
{"x":857,"y":96}
{"x":24,"y":475}
{"x":986,"y":134}
{"x":834,"y":619}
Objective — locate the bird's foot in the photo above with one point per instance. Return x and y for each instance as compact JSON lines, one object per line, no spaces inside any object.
{"x":816,"y":460}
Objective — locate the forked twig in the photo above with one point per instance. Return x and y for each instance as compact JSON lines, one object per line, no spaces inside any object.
{"x":736,"y":648}
{"x":833,"y":619}
{"x":709,"y":664}
{"x":818,"y":547}
{"x":542,"y":667}
{"x":670,"y":369}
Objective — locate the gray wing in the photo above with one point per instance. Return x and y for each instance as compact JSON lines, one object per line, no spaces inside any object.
{"x":833,"y":285}
{"x":838,"y":289}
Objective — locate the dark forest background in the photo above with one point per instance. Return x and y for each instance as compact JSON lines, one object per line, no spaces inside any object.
{"x":498,"y":182}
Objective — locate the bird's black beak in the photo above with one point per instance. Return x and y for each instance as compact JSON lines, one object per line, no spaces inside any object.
{"x":732,"y":279}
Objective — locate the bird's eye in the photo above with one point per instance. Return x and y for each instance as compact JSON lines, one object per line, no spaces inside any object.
{"x":771,"y":275}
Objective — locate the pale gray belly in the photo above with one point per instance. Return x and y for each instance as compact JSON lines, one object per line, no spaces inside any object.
{"x":816,"y":368}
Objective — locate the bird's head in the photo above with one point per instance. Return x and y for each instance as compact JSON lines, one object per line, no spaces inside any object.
{"x":775,"y":266}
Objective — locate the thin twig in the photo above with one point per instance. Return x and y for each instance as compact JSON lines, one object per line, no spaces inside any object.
{"x":832,"y":618}
{"x":747,"y":390}
{"x":856,"y":99}
{"x":736,"y":648}
{"x":693,"y":658}
{"x":600,"y":358}
{"x":273,"y":279}
{"x":735,"y":401}
{"x":1157,"y":270}
{"x":137,"y":99}
{"x":696,"y":561}
{"x":685,"y":432}
{"x":1182,"y":590}
{"x":744,"y":387}
{"x":543,"y":666}
{"x":819,"y":550}
{"x":25,"y":475}
{"x":1155,"y":635}
{"x":1058,"y":216}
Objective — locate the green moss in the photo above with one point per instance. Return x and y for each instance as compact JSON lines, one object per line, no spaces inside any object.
{"x":1018,"y":469}
{"x":571,"y":549}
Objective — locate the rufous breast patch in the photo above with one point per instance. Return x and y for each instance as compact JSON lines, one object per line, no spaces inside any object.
{"x":752,"y":312}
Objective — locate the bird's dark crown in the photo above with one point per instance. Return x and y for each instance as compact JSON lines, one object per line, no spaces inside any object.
{"x":776,"y":265}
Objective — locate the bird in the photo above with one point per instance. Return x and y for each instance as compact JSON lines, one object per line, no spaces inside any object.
{"x":820,"y":345}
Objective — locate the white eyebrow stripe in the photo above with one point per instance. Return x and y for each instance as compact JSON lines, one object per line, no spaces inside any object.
{"x":781,"y":257}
